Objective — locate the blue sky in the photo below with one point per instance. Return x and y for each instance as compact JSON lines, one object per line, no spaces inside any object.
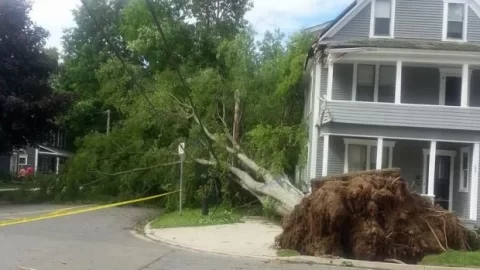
{"x":287,"y":15}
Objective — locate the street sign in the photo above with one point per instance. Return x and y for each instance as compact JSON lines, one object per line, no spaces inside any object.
{"x":181,"y":148}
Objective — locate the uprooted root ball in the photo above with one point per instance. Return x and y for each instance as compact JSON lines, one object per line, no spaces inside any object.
{"x":371,"y":217}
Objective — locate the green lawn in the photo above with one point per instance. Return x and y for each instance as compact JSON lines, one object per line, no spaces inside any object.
{"x":287,"y":253}
{"x":193,"y":217}
{"x":454,"y":258}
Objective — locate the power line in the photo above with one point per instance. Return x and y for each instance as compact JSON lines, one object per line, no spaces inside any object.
{"x":117,"y":54}
{"x":179,"y":74}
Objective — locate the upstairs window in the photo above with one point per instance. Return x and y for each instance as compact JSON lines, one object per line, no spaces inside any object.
{"x":455,"y":21}
{"x":366,"y":83}
{"x":382,"y":18}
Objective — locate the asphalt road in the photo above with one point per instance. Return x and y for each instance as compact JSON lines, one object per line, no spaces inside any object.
{"x":103,"y":240}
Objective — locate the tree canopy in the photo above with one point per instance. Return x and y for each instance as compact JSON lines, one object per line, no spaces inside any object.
{"x":28,"y":103}
{"x":236,"y":100}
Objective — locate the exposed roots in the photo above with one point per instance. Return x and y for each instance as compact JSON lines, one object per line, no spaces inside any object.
{"x":371,"y":216}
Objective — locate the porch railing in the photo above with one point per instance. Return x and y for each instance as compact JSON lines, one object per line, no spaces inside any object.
{"x":405,"y":115}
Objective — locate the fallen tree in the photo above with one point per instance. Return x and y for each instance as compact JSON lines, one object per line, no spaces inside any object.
{"x":371,"y":216}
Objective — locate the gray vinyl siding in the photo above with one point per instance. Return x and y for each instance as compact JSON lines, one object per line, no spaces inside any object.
{"x":461,"y":200}
{"x":324,"y":82}
{"x":319,"y":158}
{"x":342,"y":82}
{"x":408,"y":155}
{"x":475,"y":89}
{"x":419,"y":19}
{"x":336,"y":155}
{"x":473,"y":31}
{"x":420,"y":85}
{"x":478,"y":204}
{"x":384,"y":114}
{"x":357,"y":28}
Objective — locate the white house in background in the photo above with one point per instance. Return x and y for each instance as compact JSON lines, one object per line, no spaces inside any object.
{"x":396,"y":83}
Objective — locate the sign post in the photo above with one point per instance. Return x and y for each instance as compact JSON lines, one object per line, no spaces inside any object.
{"x":181,"y":152}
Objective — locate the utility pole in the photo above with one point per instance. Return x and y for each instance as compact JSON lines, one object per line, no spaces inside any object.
{"x":181,"y":152}
{"x":108,"y":121}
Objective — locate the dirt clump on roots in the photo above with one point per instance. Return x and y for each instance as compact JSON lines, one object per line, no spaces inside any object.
{"x":371,"y":216}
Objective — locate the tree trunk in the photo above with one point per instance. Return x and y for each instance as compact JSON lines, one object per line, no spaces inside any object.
{"x":236,"y":120}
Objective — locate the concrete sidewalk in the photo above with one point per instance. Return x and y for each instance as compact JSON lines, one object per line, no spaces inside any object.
{"x":255,"y":239}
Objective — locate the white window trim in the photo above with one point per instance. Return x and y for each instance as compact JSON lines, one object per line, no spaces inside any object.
{"x":392,"y":20}
{"x":445,"y":20}
{"x":22,"y":154}
{"x":463,"y":151}
{"x":376,"y":82}
{"x":449,"y":72}
{"x":369,"y":144}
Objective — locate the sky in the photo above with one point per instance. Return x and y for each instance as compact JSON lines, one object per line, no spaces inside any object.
{"x":287,"y":15}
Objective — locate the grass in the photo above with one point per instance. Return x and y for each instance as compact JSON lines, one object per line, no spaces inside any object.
{"x":287,"y":253}
{"x":193,"y":217}
{"x":454,"y":259}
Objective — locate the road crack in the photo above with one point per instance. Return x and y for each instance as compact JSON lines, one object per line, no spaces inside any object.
{"x":156,"y":260}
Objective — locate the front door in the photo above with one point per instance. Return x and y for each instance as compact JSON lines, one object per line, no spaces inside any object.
{"x":442,"y":180}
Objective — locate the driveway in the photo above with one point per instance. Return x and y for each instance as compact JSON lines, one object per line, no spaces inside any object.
{"x":102,"y":240}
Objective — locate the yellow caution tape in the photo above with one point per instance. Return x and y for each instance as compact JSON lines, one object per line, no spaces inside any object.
{"x":74,"y":211}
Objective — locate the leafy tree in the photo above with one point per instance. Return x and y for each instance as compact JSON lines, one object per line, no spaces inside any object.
{"x":240,"y":114}
{"x":28,"y":104}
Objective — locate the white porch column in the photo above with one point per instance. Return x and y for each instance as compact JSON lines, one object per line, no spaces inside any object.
{"x":315,"y":115}
{"x":474,"y":181}
{"x":326,"y":147}
{"x":465,"y":86}
{"x":379,"y":154}
{"x":36,"y":161}
{"x":431,"y":169}
{"x":58,"y":165}
{"x":398,"y":83}
{"x":330,"y":80}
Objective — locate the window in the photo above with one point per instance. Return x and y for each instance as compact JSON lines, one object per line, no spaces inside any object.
{"x":464,"y":169}
{"x":361,"y":155}
{"x":382,"y":17}
{"x":370,"y":88}
{"x":22,"y":158}
{"x":455,"y":21}
{"x":365,"y":83}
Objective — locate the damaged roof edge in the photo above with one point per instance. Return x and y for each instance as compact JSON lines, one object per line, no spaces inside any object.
{"x":338,"y":18}
{"x":326,"y":27}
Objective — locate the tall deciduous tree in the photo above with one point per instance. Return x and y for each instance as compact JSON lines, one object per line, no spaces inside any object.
{"x":28,"y":104}
{"x":240,"y":114}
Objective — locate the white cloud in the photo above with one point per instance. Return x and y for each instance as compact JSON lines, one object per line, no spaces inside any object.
{"x":287,"y":15}
{"x":54,"y":15}
{"x":291,"y":15}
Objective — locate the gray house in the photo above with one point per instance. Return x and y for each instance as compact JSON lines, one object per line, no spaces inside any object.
{"x":45,"y":158}
{"x":396,"y":83}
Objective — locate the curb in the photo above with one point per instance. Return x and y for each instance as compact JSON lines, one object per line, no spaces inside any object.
{"x":336,"y":262}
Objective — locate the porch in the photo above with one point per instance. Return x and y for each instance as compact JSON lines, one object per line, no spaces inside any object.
{"x":416,"y":88}
{"x":450,"y":178}
{"x":48,"y":159}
